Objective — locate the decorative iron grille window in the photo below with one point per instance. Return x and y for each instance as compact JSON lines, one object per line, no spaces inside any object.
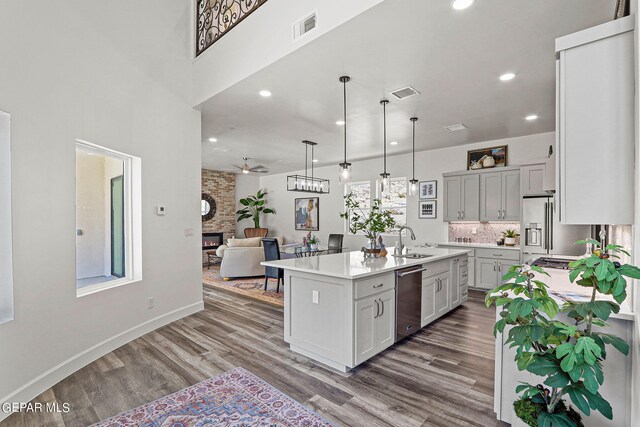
{"x":216,"y":17}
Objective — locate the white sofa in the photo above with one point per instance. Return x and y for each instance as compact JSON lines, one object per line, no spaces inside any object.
{"x":242,"y":257}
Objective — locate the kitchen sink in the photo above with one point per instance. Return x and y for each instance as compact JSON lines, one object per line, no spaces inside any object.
{"x":413,"y":256}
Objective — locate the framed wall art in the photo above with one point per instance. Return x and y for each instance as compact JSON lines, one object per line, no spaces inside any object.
{"x":428,"y":189}
{"x":484,"y":158}
{"x":307,"y":214}
{"x":428,"y":209}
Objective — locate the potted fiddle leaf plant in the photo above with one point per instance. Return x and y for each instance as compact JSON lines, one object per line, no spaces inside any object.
{"x":567,"y":352}
{"x":254,"y":208}
{"x":372,"y":223}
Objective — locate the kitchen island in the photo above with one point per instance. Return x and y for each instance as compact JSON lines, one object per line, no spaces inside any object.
{"x":340,"y":309}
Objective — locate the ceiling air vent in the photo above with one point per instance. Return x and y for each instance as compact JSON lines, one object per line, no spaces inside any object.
{"x":456,"y":127}
{"x":305,"y":25}
{"x":404,"y":92}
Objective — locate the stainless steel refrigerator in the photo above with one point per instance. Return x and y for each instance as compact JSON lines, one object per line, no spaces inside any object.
{"x":541,"y":234}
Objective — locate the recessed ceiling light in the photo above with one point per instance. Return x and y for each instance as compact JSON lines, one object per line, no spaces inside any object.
{"x":315,"y":160}
{"x":461,"y":4}
{"x":531,"y":117}
{"x":340,"y":122}
{"x":213,"y":139}
{"x":265,"y":93}
{"x":394,"y":143}
{"x":507,"y":76}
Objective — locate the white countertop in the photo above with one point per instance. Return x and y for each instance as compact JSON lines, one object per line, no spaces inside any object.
{"x":561,"y":289}
{"x":352,"y":265}
{"x":480,"y":245}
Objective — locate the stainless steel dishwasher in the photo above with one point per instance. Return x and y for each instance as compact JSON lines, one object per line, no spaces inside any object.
{"x":408,"y":301}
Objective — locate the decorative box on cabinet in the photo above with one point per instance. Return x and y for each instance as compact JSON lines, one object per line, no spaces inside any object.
{"x":595,"y":124}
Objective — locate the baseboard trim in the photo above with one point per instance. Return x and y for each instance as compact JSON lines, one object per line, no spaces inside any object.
{"x":56,"y":374}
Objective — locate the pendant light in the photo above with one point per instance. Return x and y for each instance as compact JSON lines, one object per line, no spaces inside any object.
{"x":308,"y":183}
{"x":384,"y":176}
{"x":345,"y":167}
{"x":413,"y":183}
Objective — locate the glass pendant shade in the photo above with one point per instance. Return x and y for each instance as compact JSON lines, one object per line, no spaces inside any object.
{"x":344,"y":170}
{"x":384,"y":182}
{"x":413,"y":187}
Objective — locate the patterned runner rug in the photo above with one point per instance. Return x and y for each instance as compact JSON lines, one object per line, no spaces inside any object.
{"x":235,"y":398}
{"x":249,"y":286}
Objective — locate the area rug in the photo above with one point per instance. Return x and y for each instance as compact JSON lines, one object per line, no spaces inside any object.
{"x":235,"y":398}
{"x":252,"y":286}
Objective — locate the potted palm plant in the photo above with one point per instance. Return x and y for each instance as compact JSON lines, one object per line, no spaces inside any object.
{"x":254,"y":208}
{"x":372,"y":223}
{"x":510,"y":236}
{"x":568,"y":355}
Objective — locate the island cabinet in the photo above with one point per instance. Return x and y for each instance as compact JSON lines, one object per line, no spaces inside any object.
{"x":374,"y":324}
{"x":436,"y":283}
{"x":459,"y":281}
{"x":340,"y":309}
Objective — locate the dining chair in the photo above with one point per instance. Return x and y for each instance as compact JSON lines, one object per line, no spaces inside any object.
{"x":272,"y":253}
{"x":335,"y":243}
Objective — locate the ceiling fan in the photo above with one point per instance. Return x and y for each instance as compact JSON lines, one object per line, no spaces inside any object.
{"x":246,"y":169}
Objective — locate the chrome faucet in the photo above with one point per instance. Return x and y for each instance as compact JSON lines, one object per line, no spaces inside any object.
{"x":399,"y":249}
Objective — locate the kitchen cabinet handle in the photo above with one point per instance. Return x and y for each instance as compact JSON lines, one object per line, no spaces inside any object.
{"x":462,"y":214}
{"x":494,"y":265}
{"x":382,"y":302}
{"x":458,"y":214}
{"x":499,"y":266}
{"x":496,"y":254}
{"x":504,"y":214}
{"x":377,"y":309}
{"x":378,"y":286}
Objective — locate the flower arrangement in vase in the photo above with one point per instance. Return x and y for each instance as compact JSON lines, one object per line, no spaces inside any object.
{"x":310,"y":241}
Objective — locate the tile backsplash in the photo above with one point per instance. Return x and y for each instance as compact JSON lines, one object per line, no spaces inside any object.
{"x":486,"y":232}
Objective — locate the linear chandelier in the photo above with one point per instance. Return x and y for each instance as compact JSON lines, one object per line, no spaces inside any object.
{"x":308,"y":183}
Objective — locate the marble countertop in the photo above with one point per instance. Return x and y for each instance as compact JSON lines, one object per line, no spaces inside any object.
{"x":353,"y":265}
{"x":480,"y":245}
{"x":562,"y":290}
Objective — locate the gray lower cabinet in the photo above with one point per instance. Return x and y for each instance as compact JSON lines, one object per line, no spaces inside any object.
{"x":442,"y":293}
{"x":374,"y":324}
{"x":489,"y":271}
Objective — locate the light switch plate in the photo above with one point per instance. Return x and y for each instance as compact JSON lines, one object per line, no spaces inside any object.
{"x":161,"y":210}
{"x":315,"y":296}
{"x":188,"y":232}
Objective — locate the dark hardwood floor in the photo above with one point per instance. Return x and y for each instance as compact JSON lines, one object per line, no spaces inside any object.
{"x":441,"y":376}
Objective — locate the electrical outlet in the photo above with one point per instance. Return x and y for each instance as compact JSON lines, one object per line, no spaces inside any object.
{"x":474,"y":230}
{"x":315,"y":297}
{"x":150,"y":303}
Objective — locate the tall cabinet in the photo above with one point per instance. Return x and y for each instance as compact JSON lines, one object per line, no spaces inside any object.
{"x":595,"y":124}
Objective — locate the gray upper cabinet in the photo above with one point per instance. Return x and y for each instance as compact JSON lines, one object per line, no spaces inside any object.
{"x":470,"y":199}
{"x":532,"y":179}
{"x":482,"y":196}
{"x":511,"y":199}
{"x":595,"y":124}
{"x":461,"y":198}
{"x":452,"y":198}
{"x":491,"y":196}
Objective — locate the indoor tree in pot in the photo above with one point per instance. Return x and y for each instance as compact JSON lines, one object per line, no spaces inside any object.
{"x":254,"y":208}
{"x":568,"y":355}
{"x":372,"y":223}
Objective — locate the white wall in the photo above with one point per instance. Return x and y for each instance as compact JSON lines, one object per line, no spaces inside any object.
{"x":6,"y":266}
{"x":246,"y":185}
{"x":264,"y":37}
{"x":430,"y":165}
{"x":68,"y":71}
{"x":90,"y":215}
